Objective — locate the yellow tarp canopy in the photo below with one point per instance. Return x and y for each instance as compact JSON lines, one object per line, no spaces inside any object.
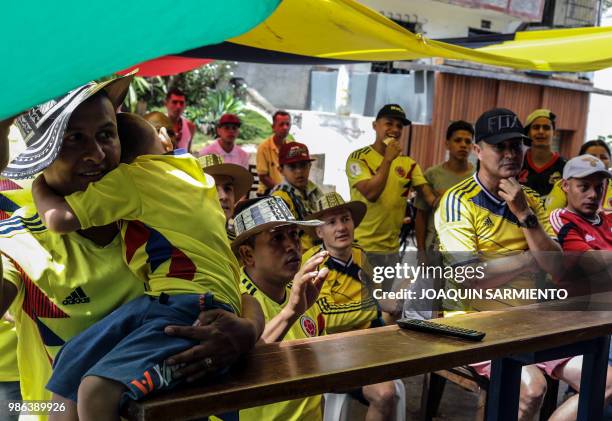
{"x":347,"y":30}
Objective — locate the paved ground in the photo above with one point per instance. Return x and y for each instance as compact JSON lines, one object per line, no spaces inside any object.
{"x":457,"y":404}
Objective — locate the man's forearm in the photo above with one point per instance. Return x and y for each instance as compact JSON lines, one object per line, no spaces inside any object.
{"x":251,"y":310}
{"x":597,"y":267}
{"x":277,"y":328}
{"x":545,"y":250}
{"x":266,"y":180}
{"x":428,"y":195}
{"x":372,"y":189}
{"x":497,"y":272}
{"x":420,"y":229}
{"x":53,"y":209}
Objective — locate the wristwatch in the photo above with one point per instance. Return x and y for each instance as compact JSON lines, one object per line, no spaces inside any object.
{"x":530,"y":221}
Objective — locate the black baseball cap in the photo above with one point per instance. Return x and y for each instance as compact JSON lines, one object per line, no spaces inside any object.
{"x":499,"y":124}
{"x":393,"y":111}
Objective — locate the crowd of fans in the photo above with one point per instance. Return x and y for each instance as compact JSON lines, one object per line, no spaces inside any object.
{"x":134,"y":267}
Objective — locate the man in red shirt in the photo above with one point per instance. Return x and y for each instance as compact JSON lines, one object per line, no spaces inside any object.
{"x":585,"y":234}
{"x":176,"y":101}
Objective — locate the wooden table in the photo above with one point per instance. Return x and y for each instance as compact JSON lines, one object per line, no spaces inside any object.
{"x":337,"y":363}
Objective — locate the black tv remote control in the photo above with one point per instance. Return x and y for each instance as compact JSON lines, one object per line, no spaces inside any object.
{"x":431,"y":327}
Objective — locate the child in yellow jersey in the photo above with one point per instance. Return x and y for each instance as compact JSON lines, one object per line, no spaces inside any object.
{"x":9,"y":374}
{"x":173,"y":232}
{"x":10,"y":200}
{"x":298,"y":192}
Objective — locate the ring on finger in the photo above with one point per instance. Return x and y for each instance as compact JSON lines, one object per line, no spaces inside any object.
{"x":208,"y":362}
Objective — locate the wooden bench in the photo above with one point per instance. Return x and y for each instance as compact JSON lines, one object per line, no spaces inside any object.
{"x":295,"y":369}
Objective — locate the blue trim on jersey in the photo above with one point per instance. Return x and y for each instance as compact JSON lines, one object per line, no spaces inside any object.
{"x":10,"y":221}
{"x":177,"y":152}
{"x":7,"y":204}
{"x":158,"y":248}
{"x":48,"y":337}
{"x":491,"y":196}
{"x":451,"y":215}
{"x":18,"y":223}
{"x":10,"y":230}
{"x":483,"y":200}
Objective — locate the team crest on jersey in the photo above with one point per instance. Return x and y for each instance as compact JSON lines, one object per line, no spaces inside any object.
{"x":355,"y":169}
{"x":308,"y":326}
{"x":400,"y":171}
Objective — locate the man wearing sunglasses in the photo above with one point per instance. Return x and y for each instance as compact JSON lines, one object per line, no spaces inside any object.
{"x":228,"y":129}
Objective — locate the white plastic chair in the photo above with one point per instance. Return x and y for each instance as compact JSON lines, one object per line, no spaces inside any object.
{"x":337,"y":404}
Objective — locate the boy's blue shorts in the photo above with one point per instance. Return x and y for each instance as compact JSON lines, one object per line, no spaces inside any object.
{"x":130,"y":346}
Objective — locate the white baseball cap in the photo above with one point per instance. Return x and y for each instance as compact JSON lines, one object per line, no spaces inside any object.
{"x":583,"y":166}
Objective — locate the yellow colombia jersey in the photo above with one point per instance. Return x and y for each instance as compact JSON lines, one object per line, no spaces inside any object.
{"x":300,"y":206}
{"x":65,"y":283}
{"x":310,"y":324}
{"x":379,"y":231}
{"x":174,"y":229}
{"x":8,"y":352}
{"x":557,"y":199}
{"x":473,"y":224}
{"x":10,"y":200}
{"x":345,"y":299}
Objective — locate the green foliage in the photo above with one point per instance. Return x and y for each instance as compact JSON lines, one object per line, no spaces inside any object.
{"x":209,"y":96}
{"x":149,"y":90}
{"x":199,"y":83}
{"x":142,"y":90}
{"x":199,"y":141}
{"x":255,"y":127}
{"x":608,"y":138}
{"x":211,"y":107}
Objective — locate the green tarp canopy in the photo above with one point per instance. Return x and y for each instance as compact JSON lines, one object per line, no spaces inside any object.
{"x":50,"y":47}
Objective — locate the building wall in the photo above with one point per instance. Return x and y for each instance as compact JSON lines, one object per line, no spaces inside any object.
{"x":465,"y":98}
{"x":442,"y":20}
{"x":285,"y":86}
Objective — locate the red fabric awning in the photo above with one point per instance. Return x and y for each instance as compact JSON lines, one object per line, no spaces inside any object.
{"x":167,"y":66}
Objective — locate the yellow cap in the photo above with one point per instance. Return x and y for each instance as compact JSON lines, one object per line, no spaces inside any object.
{"x":541,"y":112}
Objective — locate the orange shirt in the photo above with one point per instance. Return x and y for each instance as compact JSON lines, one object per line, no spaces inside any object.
{"x":267,"y":162}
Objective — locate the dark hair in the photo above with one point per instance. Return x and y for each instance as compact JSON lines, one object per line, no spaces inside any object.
{"x":175,"y":92}
{"x":250,"y":241}
{"x":279,"y":112}
{"x":595,"y":142}
{"x":459,"y":125}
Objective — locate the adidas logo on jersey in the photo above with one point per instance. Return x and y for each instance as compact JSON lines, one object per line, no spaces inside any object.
{"x":77,"y":296}
{"x":488,"y":222}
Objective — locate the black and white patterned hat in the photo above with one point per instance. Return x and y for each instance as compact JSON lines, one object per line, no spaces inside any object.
{"x":263,"y":213}
{"x":42,"y":127}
